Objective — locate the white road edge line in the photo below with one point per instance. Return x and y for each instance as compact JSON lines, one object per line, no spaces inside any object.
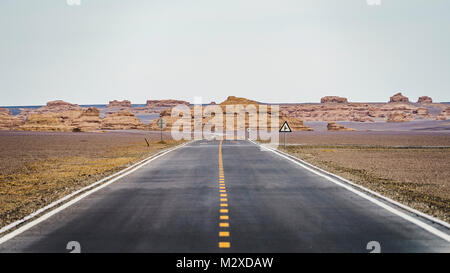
{"x":391,"y":209}
{"x":44,"y":217}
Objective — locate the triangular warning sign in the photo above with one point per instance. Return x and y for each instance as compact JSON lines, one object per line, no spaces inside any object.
{"x":285,"y":127}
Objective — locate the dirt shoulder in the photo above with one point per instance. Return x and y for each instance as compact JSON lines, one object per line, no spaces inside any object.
{"x":37,"y":169}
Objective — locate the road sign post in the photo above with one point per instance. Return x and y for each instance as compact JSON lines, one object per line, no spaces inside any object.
{"x":161,"y":124}
{"x":285,"y":129}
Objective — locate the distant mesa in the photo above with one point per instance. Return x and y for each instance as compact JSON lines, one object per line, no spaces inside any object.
{"x":333,"y":99}
{"x":61,"y":104}
{"x":399,"y":98}
{"x":333,"y":126}
{"x":232,"y":100}
{"x":165,"y":103}
{"x":117,"y":103}
{"x":425,"y":99}
{"x":59,"y":115}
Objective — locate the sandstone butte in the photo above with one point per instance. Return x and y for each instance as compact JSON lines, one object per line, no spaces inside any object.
{"x":165,"y":103}
{"x":332,"y":110}
{"x":398,"y":117}
{"x":425,"y":99}
{"x":123,"y":120}
{"x":63,"y":116}
{"x":295,"y":123}
{"x":399,"y":98}
{"x":66,"y":117}
{"x":8,"y":121}
{"x":333,"y":99}
{"x":121,"y":104}
{"x":333,"y":126}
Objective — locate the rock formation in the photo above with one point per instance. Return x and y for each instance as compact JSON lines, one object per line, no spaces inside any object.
{"x":333,"y":126}
{"x":232,"y":100}
{"x":119,"y":104}
{"x":333,"y":99}
{"x":398,"y":117}
{"x":89,"y":120}
{"x":295,"y":123}
{"x":57,"y":106}
{"x":55,"y":116}
{"x":399,"y":98}
{"x":123,"y":120}
{"x":444,"y":114}
{"x":421,"y":111}
{"x":61,"y":105}
{"x":165,"y":103}
{"x":335,"y":108}
{"x":47,"y":122}
{"x":8,"y":121}
{"x":5,"y":111}
{"x":425,"y":99}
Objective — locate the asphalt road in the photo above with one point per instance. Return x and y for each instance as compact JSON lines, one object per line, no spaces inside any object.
{"x":174,"y":203}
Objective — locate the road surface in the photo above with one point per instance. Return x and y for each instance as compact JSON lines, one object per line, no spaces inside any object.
{"x":210,"y":196}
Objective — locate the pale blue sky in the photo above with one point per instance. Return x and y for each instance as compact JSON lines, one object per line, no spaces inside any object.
{"x":271,"y":51}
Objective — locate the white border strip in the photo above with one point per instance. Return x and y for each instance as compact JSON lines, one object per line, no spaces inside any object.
{"x":351,"y":188}
{"x":117,"y":176}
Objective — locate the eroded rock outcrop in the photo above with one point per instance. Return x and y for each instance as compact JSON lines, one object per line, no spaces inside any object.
{"x":57,"y":106}
{"x":165,"y":103}
{"x":8,"y":121}
{"x":425,"y":99}
{"x":123,"y":120}
{"x":333,"y":99}
{"x":5,"y":111}
{"x":399,"y":98}
{"x":444,"y":114}
{"x":232,"y":101}
{"x":89,"y":120}
{"x":333,"y":126}
{"x":57,"y":115}
{"x":398,"y":117}
{"x":119,"y":104}
{"x":421,"y":111}
{"x":47,"y":122}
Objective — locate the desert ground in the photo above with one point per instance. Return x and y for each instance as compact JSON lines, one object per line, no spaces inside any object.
{"x":408,"y":163}
{"x":37,"y":168}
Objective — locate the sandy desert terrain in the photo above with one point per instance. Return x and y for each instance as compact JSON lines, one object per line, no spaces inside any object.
{"x":410,"y":166}
{"x":37,"y":168}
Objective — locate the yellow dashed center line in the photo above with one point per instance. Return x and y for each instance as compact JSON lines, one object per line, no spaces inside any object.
{"x":224,"y":244}
{"x":223,"y":226}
